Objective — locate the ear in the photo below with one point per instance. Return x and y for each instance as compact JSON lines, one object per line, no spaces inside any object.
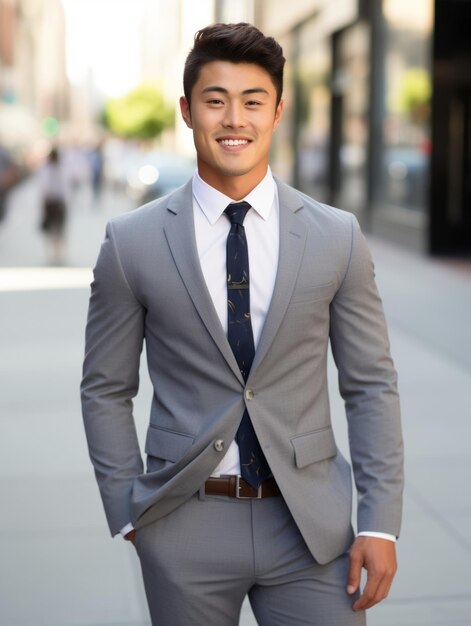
{"x":278,"y":114}
{"x":185,"y":111}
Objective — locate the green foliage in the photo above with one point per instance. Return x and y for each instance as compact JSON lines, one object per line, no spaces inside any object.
{"x":140,"y":114}
{"x":413,"y":96}
{"x":415,"y":92}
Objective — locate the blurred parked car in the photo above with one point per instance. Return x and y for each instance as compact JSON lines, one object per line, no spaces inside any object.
{"x":153,"y":174}
{"x":406,"y":171}
{"x":11,"y":173}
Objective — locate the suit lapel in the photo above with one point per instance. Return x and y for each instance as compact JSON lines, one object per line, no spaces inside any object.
{"x":180,"y":234}
{"x":292,"y":243}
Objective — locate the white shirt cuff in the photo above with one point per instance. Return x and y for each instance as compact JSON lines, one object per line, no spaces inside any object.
{"x":367,"y":533}
{"x":127,"y":529}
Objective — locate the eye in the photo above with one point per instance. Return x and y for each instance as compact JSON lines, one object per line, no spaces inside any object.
{"x":253,"y":103}
{"x":215,"y":101}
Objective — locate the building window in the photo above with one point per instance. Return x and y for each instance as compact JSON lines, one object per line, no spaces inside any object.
{"x":282,"y":153}
{"x":406,"y":130}
{"x":301,"y":143}
{"x":311,"y":87}
{"x":351,"y":89}
{"x":7,"y":34}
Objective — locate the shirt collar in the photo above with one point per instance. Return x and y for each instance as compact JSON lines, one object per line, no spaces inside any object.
{"x":212,"y":202}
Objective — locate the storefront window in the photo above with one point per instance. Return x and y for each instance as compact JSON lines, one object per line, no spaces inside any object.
{"x":308,"y":87}
{"x":283,"y":153}
{"x":351,"y":86}
{"x":406,"y":130}
{"x":300,"y":152}
{"x":312,"y":88}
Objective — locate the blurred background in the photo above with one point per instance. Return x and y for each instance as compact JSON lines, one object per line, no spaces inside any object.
{"x":377,"y":94}
{"x":377,"y":121}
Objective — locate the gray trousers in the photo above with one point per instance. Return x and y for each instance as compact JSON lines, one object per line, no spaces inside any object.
{"x":200,"y":562}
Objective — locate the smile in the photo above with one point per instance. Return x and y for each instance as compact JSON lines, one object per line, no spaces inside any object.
{"x":233,"y":142}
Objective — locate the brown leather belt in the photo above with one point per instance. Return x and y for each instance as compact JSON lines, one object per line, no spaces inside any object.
{"x":236,"y":487}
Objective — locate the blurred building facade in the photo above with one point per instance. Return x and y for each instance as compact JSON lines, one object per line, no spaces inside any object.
{"x":33,"y":82}
{"x":378,"y":112}
{"x":377,"y":99}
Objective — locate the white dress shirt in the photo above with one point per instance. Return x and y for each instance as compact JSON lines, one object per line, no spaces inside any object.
{"x":262,"y":231}
{"x":263,"y":237}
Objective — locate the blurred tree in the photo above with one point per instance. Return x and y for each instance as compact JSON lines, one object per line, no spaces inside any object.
{"x":414,"y":94}
{"x":140,"y":114}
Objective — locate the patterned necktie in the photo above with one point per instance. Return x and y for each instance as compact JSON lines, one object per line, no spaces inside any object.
{"x":254,"y":466}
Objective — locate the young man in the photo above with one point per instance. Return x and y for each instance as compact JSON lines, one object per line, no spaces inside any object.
{"x":237,"y":283}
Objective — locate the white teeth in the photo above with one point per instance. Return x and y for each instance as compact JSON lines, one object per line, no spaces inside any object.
{"x":233,"y":142}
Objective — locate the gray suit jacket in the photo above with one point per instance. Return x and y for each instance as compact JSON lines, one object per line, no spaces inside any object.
{"x":148,"y":285}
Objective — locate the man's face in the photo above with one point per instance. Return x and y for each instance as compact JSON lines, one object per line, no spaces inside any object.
{"x":233,"y":115}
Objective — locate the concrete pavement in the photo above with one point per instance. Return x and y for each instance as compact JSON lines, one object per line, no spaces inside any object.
{"x":59,"y":568}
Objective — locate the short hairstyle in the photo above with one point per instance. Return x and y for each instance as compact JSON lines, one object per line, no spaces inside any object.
{"x":237,"y":43}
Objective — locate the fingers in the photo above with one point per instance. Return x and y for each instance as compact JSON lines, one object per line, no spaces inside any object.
{"x":354,"y":572}
{"x":376,"y":589}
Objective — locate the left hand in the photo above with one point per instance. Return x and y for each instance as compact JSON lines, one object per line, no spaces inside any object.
{"x":378,"y":557}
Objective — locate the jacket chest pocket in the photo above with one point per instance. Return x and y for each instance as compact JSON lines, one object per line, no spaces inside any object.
{"x":312,"y":293}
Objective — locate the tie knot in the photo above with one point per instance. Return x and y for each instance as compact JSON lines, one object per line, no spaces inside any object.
{"x":236,"y":212}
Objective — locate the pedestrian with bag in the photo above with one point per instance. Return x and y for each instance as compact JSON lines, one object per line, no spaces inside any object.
{"x":53,"y":184}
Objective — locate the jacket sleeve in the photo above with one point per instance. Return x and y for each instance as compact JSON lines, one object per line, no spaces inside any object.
{"x":368,"y":385}
{"x":114,"y":339}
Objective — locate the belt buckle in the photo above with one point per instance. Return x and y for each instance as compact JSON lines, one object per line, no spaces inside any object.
{"x":239,"y":487}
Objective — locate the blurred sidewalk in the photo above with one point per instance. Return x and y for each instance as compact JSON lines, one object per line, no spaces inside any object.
{"x":58,"y":566}
{"x":428,"y":304}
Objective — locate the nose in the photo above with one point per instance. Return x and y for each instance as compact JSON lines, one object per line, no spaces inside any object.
{"x":234,"y":116}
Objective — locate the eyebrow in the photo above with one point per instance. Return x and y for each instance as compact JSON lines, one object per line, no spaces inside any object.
{"x":246,"y":92}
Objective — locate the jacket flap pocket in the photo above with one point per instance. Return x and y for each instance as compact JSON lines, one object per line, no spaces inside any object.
{"x":314,"y":446}
{"x":167,"y":444}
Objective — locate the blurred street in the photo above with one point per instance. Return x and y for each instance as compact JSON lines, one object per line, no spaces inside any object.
{"x":59,"y":567}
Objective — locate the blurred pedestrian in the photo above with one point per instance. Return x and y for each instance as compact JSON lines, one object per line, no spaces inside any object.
{"x":96,"y":161}
{"x":76,"y":166}
{"x":53,"y":183}
{"x":245,"y":490}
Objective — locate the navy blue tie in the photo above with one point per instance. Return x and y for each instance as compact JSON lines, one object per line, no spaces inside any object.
{"x":253,"y":465}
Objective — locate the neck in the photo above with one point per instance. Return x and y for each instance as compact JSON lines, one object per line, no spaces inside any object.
{"x":235,"y":187}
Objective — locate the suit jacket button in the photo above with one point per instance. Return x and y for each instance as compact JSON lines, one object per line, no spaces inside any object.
{"x":219,"y":445}
{"x":249,"y":394}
